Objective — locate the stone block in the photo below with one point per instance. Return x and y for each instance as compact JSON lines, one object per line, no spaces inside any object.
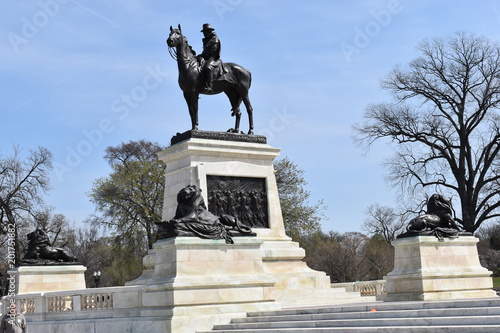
{"x":34,"y":279}
{"x":125,"y":300}
{"x":196,"y":296}
{"x":248,"y":294}
{"x":427,"y":269}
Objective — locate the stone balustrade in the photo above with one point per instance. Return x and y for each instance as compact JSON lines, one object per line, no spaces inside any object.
{"x":81,"y":303}
{"x":365,"y":288}
{"x":97,"y":301}
{"x":27,"y":305}
{"x":78,"y":304}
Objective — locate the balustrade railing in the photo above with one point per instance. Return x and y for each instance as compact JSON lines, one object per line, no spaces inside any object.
{"x":59,"y":303}
{"x":97,"y":301}
{"x":54,"y":302}
{"x":365,"y":288}
{"x":88,"y":302}
{"x":27,"y":305}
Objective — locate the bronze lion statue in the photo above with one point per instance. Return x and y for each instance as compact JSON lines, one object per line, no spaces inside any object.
{"x":40,"y":249}
{"x":438,"y":220}
{"x":193,"y":219}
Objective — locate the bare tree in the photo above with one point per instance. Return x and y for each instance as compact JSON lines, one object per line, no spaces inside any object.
{"x":383,"y":221}
{"x":379,"y":257}
{"x":341,"y":257}
{"x":445,"y":123}
{"x":489,"y":246}
{"x":22,"y":181}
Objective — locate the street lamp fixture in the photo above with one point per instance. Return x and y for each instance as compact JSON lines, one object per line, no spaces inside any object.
{"x":97,"y":278}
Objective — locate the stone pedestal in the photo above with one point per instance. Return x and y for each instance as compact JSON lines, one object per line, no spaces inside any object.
{"x":199,"y":283}
{"x":39,"y":279}
{"x":427,"y":269}
{"x":192,"y":161}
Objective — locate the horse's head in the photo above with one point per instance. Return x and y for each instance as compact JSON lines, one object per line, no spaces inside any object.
{"x":175,"y":36}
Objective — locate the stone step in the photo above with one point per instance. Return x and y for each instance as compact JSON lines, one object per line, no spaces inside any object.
{"x":468,"y":315}
{"x":475,"y":311}
{"x":385,"y":329}
{"x":381,"y":306}
{"x":323,"y":297}
{"x":423,"y":321}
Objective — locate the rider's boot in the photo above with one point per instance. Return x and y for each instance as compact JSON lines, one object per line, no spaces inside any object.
{"x":209,"y":80}
{"x":210,"y":84}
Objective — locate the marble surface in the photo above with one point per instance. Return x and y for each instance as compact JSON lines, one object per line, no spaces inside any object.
{"x":33,"y":279}
{"x":427,"y":269}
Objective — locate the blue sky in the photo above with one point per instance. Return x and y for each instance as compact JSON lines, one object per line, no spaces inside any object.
{"x":79,"y":76}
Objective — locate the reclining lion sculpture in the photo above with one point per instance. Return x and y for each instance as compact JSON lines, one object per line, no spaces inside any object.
{"x":41,"y":251}
{"x":193,"y":219}
{"x":437,"y":221}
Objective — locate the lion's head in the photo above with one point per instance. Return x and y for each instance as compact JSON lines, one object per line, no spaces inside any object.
{"x":38,"y":236}
{"x":188,"y":195}
{"x":439,"y":205}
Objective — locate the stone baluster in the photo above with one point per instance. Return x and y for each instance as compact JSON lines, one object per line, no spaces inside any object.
{"x":104,"y":301}
{"x":50,"y":302}
{"x":23,"y":305}
{"x":30,"y":307}
{"x":85,"y":300}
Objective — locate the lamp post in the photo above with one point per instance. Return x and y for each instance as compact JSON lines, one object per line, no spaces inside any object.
{"x":97,"y":277}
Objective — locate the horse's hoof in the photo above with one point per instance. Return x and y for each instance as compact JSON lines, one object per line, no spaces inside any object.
{"x":250,"y":132}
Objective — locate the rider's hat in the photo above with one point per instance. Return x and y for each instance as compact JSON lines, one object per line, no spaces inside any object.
{"x":206,"y":27}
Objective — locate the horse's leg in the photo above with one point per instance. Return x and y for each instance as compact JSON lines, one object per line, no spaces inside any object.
{"x":192,"y":102}
{"x":244,"y":80}
{"x":249,"y":108}
{"x":235,"y":100}
{"x":237,"y":113}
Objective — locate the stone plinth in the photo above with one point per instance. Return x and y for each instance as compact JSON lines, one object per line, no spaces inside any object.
{"x":47,"y":278}
{"x":199,"y":283}
{"x":190,"y":162}
{"x":427,"y":269}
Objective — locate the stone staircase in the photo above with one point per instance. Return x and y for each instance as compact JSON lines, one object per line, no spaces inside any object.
{"x":467,"y":315}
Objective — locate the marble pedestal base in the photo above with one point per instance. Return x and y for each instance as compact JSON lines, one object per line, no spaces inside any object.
{"x":427,"y":269}
{"x":198,"y":283}
{"x":193,"y":161}
{"x":39,"y":279}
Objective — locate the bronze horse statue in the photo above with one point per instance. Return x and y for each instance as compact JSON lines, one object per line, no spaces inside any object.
{"x":235,"y":82}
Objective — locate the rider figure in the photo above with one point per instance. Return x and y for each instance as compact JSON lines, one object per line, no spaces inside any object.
{"x":211,"y":54}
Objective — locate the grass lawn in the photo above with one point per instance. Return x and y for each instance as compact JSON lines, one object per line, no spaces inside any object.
{"x":496,"y":282}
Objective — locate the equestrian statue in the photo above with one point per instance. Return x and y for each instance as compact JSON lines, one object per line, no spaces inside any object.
{"x":207,"y":74}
